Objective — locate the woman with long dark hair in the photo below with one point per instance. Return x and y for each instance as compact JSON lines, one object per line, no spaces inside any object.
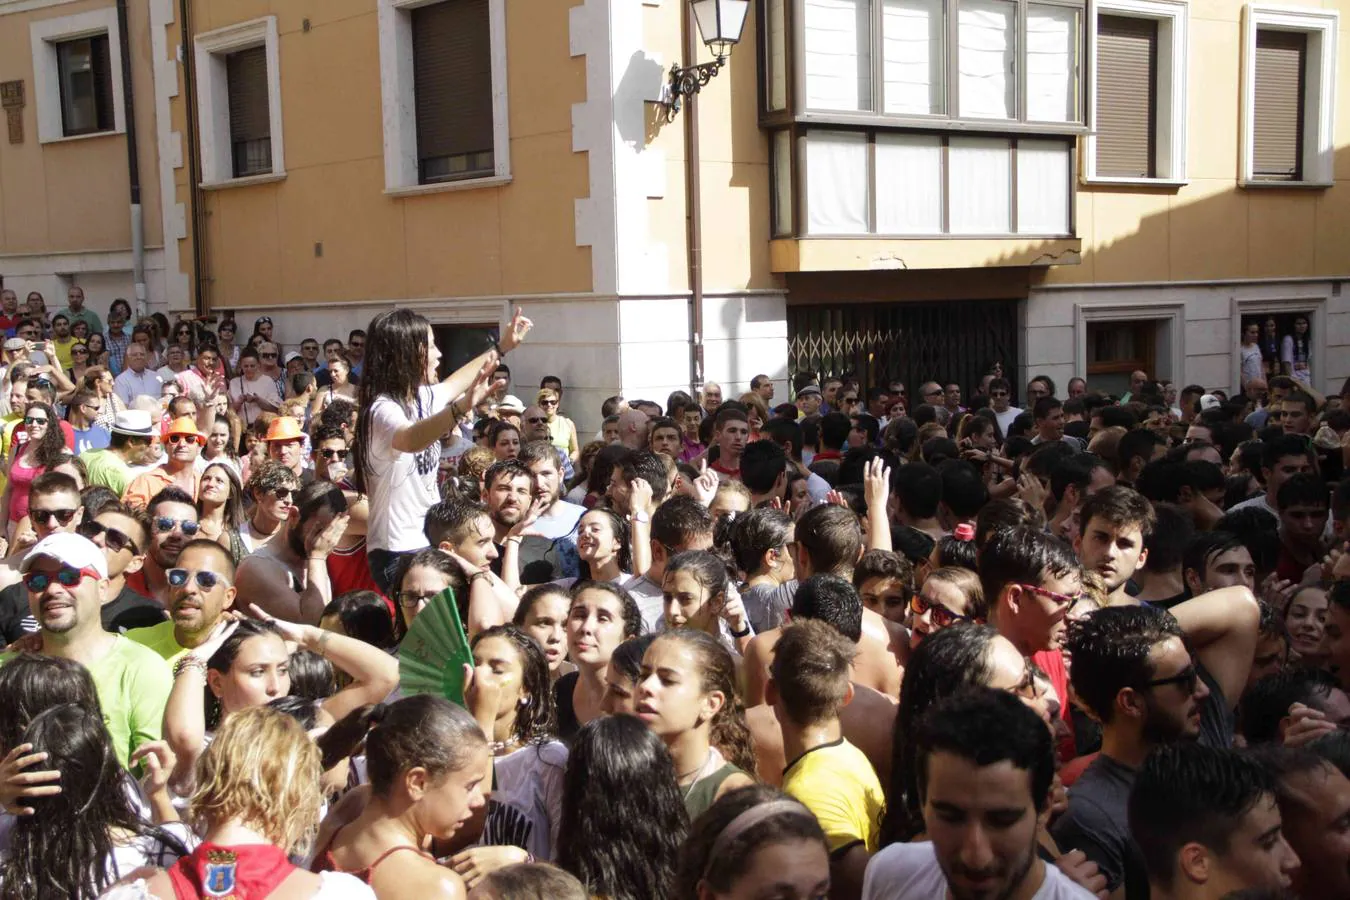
{"x":404,"y":412}
{"x":623,"y":819}
{"x":421,"y":577}
{"x":600,"y":618}
{"x":82,"y":840}
{"x":220,"y":507}
{"x":43,"y":449}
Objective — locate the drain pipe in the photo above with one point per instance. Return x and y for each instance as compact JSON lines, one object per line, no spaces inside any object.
{"x":133,"y":163}
{"x":194,"y":159}
{"x":693,"y":199}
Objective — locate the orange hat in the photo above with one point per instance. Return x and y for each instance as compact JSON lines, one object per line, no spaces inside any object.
{"x":284,"y":428}
{"x":185,"y":425}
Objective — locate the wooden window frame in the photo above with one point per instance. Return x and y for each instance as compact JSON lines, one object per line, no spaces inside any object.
{"x":44,"y":36}
{"x":213,"y":101}
{"x":102,"y":81}
{"x":401,"y":169}
{"x":238,"y":165}
{"x":1173,"y":18}
{"x":1319,"y":95}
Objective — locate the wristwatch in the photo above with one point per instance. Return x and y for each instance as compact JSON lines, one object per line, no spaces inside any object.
{"x":640,"y":516}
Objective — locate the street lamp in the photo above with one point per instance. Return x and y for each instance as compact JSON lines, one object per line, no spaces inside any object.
{"x":720,"y":23}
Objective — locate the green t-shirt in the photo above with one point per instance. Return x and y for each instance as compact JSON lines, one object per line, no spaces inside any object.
{"x":160,"y":639}
{"x":105,"y":468}
{"x":133,"y":685}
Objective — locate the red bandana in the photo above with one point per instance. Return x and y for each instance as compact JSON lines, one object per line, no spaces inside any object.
{"x":243,"y":872}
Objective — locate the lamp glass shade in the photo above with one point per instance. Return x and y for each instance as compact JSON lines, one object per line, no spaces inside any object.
{"x":720,"y":23}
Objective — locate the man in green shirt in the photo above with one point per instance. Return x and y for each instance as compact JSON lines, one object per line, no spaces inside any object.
{"x":76,"y":311}
{"x":194,"y":608}
{"x":67,"y":580}
{"x":131,"y":444}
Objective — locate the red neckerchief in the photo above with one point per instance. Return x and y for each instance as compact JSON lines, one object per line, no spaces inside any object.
{"x":241,"y":872}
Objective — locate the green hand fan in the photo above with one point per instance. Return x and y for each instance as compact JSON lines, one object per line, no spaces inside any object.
{"x":432,"y":656}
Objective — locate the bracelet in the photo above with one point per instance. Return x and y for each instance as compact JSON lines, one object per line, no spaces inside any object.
{"x":323,"y":643}
{"x":189,"y":662}
{"x":477,"y":575}
{"x":741,"y":634}
{"x":513,"y":539}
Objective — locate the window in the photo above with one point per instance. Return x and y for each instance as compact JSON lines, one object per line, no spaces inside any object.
{"x":86,"y":85}
{"x":250,"y":121}
{"x":1277,"y":138}
{"x":1011,"y":61}
{"x":1115,"y":349}
{"x":1288,"y":95}
{"x":77,"y":76}
{"x":443,"y":86}
{"x":452,"y":84}
{"x":239,"y":104}
{"x":1138,"y":107}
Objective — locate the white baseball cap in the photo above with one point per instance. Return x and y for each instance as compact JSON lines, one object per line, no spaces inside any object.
{"x":72,"y":549}
{"x":1210,"y":401}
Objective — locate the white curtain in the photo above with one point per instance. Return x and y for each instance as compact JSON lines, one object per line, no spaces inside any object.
{"x":1052,"y":57}
{"x":912,"y":40}
{"x":836,"y":182}
{"x":978,"y":182}
{"x":777,"y":55}
{"x":986,"y":55}
{"x":1042,"y":187}
{"x":782,"y":183}
{"x":838,"y":54}
{"x":909,"y":184}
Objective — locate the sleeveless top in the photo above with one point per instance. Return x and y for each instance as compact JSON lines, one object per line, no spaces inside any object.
{"x":323,"y":861}
{"x":703,"y":792}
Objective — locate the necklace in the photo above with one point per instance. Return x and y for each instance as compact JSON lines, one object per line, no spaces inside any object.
{"x":698,"y":773}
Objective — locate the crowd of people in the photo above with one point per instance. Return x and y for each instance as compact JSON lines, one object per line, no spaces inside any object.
{"x":851,"y":645}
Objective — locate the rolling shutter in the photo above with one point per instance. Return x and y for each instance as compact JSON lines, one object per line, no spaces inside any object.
{"x":1127,"y":97}
{"x":1277,"y":147}
{"x":250,"y":116}
{"x":452,"y":87}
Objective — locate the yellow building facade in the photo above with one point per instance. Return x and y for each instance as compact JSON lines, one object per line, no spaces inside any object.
{"x":897,"y":188}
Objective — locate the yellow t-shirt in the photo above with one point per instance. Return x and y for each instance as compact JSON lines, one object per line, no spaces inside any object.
{"x":160,"y":639}
{"x":63,"y":348}
{"x":838,"y":784}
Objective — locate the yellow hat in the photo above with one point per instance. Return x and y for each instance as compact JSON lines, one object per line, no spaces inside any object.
{"x":284,"y":428}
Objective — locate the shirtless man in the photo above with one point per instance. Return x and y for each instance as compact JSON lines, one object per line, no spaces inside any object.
{"x":289,"y":578}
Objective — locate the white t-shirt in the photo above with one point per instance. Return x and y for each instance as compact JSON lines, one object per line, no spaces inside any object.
{"x":560,"y":520}
{"x":401,"y":486}
{"x":526,"y":806}
{"x":1005,"y":418}
{"x":262,"y":386}
{"x":911,"y":872}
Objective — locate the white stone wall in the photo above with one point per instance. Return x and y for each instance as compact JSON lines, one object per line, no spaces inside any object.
{"x":1199,"y":326}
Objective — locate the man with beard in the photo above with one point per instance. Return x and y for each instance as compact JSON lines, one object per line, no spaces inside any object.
{"x":67,"y":581}
{"x":1133,"y":670}
{"x":985,"y":765}
{"x":534,"y":429}
{"x":184,"y":442}
{"x":557,"y":520}
{"x":288,"y":578}
{"x":286,"y":445}
{"x":508,"y":494}
{"x":173,"y":522}
{"x":1115,"y":524}
{"x":1206,"y":823}
{"x":53,"y":506}
{"x":201,"y":588}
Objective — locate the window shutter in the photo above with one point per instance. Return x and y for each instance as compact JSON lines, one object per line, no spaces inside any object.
{"x":1277,"y":151}
{"x":452,"y":88}
{"x":103,"y":84}
{"x":250,"y":115}
{"x":1127,"y":97}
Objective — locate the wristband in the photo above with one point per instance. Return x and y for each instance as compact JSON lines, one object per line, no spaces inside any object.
{"x":741,"y":634}
{"x":189,"y":662}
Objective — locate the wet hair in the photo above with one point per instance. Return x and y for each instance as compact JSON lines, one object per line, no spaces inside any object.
{"x":1258,"y":530}
{"x":33,"y":682}
{"x":1023,"y":555}
{"x":1203,"y":547}
{"x":1189,"y":793}
{"x":646,"y":465}
{"x":708,"y":570}
{"x":1265,"y":703}
{"x":65,"y":848}
{"x":223,"y":659}
{"x":953,"y":551}
{"x":831,"y":538}
{"x":721,"y":870}
{"x":756,"y":533}
{"x":312,"y":676}
{"x":1003,"y":515}
{"x":439,"y":561}
{"x":301,"y":709}
{"x":628,"y":607}
{"x":679,"y":520}
{"x":533,"y":881}
{"x":534,"y":595}
{"x":763,"y":462}
{"x":1301,"y":490}
{"x":364,"y":616}
{"x":1111,"y":650}
{"x":1120,"y":507}
{"x":811,"y":668}
{"x":396,"y":356}
{"x":963,"y":489}
{"x":422,"y":731}
{"x":619,"y":525}
{"x":450,"y":520}
{"x":883,"y":564}
{"x":832,"y":600}
{"x":627,"y":657}
{"x":945,"y":662}
{"x":1335,"y":749}
{"x":536,"y":717}
{"x":717,"y":672}
{"x":262,"y":769}
{"x":1166,"y":544}
{"x":918,"y":487}
{"x":986,"y":726}
{"x":620,"y":780}
{"x":968,"y":583}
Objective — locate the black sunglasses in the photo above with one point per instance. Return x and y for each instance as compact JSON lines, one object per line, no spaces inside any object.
{"x":113,"y":539}
{"x":1187,"y":678}
{"x":332,"y":454}
{"x":43,"y":516}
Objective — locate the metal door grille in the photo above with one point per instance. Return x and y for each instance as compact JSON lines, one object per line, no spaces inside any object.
{"x":914,"y":342}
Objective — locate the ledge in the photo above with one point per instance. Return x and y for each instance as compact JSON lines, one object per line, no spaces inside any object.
{"x":1160,"y":183}
{"x":441,"y":187}
{"x":881,"y":254}
{"x":1293,"y":185}
{"x":242,"y":182}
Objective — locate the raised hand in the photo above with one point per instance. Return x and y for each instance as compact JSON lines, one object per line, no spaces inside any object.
{"x":516,"y":331}
{"x":16,"y":784}
{"x":325,"y":541}
{"x":705,"y":486}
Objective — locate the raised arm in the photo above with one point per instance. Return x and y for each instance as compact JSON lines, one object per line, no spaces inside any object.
{"x":1222,"y":628}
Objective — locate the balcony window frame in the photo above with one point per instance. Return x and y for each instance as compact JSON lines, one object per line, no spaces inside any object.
{"x":1319,"y":97}
{"x":44,"y":36}
{"x":398,"y":101}
{"x":796,"y":109}
{"x":1173,"y":22}
{"x":211,"y":50}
